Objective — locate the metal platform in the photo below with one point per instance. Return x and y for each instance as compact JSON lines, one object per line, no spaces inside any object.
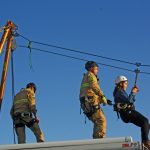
{"x":94,"y":144}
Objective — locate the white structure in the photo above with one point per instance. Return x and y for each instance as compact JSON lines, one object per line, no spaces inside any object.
{"x":122,"y":143}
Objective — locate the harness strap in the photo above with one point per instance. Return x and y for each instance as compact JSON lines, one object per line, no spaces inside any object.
{"x":94,"y":108}
{"x":118,"y":115}
{"x":19,"y":116}
{"x":122,"y":107}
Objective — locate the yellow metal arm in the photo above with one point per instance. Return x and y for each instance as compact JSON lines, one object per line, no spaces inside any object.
{"x":8,"y":34}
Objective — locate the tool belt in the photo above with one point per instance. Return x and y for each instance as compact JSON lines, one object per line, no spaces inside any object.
{"x":87,"y":107}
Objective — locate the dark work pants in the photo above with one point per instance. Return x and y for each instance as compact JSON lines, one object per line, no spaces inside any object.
{"x":138,"y":119}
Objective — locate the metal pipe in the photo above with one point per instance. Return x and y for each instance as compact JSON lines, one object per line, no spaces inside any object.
{"x":3,"y":39}
{"x":5,"y":68}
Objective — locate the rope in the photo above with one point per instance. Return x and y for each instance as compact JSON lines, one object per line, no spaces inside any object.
{"x":86,"y":53}
{"x":144,"y":147}
{"x":29,"y":47}
{"x":30,"y":55}
{"x":13,"y":89}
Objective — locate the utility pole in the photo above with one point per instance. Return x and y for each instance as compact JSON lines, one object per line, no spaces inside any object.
{"x":7,"y":35}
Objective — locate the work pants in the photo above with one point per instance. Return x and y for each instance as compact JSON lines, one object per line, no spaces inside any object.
{"x":20,"y":124}
{"x":133,"y":116}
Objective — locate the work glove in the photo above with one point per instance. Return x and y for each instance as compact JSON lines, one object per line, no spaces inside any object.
{"x":37,"y":119}
{"x":109,"y":102}
{"x":104,"y":100}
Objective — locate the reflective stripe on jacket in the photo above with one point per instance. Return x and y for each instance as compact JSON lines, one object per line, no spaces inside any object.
{"x":24,"y":101}
{"x":90,"y":86}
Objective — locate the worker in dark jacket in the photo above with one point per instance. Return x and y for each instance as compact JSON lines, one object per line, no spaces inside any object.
{"x":126,"y":109}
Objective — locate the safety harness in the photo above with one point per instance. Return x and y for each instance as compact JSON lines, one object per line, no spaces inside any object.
{"x":123,"y":107}
{"x":20,"y":116}
{"x":127,"y":106}
{"x":87,"y":107}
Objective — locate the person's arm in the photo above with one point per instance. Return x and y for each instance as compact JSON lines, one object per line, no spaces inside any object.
{"x":132,"y":97}
{"x":133,"y":94}
{"x":96,"y":88}
{"x":32,"y":103}
{"x":124,"y":98}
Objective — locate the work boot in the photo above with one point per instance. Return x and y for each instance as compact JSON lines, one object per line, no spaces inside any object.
{"x":146,"y":145}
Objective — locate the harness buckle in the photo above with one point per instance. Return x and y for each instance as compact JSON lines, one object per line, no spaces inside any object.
{"x":25,"y":114}
{"x":123,"y":106}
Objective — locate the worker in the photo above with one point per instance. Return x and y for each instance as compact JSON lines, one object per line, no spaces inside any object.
{"x":124,"y":105}
{"x":24,"y":113}
{"x":91,"y":96}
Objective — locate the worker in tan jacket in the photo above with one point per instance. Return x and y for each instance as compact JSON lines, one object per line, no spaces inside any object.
{"x":24,"y":113}
{"x":91,"y":96}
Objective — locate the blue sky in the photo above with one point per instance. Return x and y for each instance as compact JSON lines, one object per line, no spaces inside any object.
{"x":112,"y":28}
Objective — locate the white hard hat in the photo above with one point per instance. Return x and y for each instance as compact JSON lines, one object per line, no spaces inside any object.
{"x":120,"y":79}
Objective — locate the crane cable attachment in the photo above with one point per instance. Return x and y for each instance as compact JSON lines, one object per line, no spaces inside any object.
{"x":137,"y":71}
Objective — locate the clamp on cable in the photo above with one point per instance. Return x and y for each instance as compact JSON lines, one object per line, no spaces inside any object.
{"x":137,"y":71}
{"x":30,"y":45}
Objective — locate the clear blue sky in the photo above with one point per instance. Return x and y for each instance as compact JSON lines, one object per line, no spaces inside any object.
{"x":112,"y":28}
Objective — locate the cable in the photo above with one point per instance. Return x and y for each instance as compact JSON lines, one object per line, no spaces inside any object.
{"x":145,"y":65}
{"x":148,"y":73}
{"x":13,"y":88}
{"x":81,"y":52}
{"x":72,"y":57}
{"x":82,"y":59}
{"x":18,"y":34}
